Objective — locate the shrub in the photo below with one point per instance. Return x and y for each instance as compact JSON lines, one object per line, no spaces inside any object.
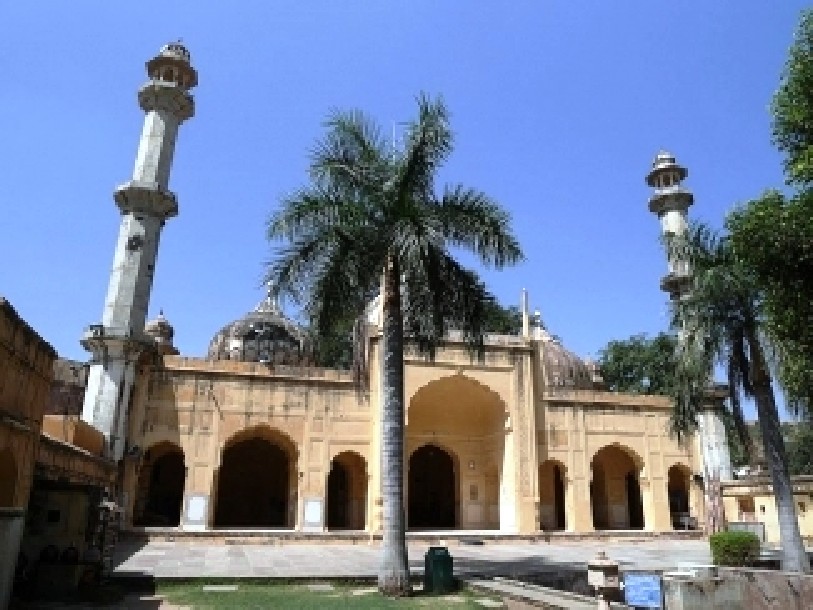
{"x":734,"y":548}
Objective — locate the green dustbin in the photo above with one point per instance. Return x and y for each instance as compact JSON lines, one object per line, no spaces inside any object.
{"x":438,"y":574}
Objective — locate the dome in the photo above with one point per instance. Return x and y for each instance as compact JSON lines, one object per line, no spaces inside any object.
{"x":160,"y":328}
{"x":176,"y":50}
{"x":161,"y":331}
{"x":665,"y":162}
{"x":262,"y":335}
{"x":561,"y":368}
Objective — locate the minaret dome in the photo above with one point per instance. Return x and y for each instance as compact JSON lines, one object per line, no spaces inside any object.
{"x":173,"y":64}
{"x":665,"y":171}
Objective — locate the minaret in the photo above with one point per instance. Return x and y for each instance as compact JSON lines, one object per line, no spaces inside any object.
{"x":671,"y":201}
{"x":145,"y":203}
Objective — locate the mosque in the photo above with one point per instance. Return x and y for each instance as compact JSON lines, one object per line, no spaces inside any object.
{"x":250,"y":435}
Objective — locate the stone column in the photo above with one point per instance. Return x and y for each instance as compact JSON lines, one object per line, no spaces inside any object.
{"x":509,"y":492}
{"x":580,"y":503}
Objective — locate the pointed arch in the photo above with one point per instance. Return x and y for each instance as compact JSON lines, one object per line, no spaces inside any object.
{"x":615,"y":488}
{"x":256,"y":482}
{"x":678,"y":490}
{"x":433,"y":488}
{"x":347,"y":492}
{"x":552,"y":493}
{"x":160,"y":487}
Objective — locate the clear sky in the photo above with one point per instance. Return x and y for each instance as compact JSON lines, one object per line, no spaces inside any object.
{"x":558,"y":109}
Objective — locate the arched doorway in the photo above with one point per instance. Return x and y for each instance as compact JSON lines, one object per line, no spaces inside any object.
{"x":678,"y":491}
{"x":615,"y":491}
{"x":8,"y":478}
{"x":432,"y":489}
{"x":552,"y":496}
{"x":468,"y":420}
{"x":347,"y":492}
{"x":254,"y":482}
{"x":160,"y":487}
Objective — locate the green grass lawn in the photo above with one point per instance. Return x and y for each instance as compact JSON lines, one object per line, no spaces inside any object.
{"x":252,"y":595}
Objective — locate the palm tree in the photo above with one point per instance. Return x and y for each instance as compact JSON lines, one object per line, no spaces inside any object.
{"x":371,"y":220}
{"x":720,"y":319}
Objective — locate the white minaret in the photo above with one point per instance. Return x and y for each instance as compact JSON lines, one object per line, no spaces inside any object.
{"x":145,"y":203}
{"x":671,"y":201}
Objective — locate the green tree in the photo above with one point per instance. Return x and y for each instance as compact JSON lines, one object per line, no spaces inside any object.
{"x":639,"y":365}
{"x":800,"y":449}
{"x":792,"y":106}
{"x":721,"y":318}
{"x":502,"y":320}
{"x":773,"y":238}
{"x":773,"y":235}
{"x":372,"y":220}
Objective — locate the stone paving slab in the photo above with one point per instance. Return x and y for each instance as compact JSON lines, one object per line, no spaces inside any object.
{"x":362,"y":561}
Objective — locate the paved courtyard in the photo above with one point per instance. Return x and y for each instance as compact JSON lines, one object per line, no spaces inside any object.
{"x":185,"y":560}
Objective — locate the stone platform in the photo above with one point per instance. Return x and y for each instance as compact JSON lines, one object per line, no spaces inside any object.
{"x":307,"y":559}
{"x":355,"y":537}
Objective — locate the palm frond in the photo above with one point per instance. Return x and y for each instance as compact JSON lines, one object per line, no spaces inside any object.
{"x":353,"y":153}
{"x":444,"y":296}
{"x":428,"y":143}
{"x":471,"y":219}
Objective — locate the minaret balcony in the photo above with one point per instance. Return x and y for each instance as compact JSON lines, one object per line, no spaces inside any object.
{"x":671,"y":198}
{"x":109,"y":341}
{"x":676,"y":284}
{"x":167,"y":96}
{"x":147,"y":198}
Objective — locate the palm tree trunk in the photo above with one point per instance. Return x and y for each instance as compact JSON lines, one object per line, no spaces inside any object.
{"x":792,"y":550}
{"x":393,"y":577}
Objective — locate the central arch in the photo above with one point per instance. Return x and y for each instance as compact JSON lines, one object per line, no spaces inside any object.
{"x":432,"y":489}
{"x":254,"y":482}
{"x":464,"y":420}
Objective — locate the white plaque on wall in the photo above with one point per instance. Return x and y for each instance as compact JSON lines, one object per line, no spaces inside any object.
{"x":197,"y":509}
{"x":312,"y":514}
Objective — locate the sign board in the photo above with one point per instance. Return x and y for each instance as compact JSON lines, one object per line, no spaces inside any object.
{"x":312,"y":515}
{"x":643,"y":589}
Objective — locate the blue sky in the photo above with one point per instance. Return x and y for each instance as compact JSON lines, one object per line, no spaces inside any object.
{"x":558,"y":109}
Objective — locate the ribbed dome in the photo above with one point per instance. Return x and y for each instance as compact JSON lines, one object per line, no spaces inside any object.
{"x":160,"y":328}
{"x":162,"y":333}
{"x":175,"y":50}
{"x":561,"y":368}
{"x":262,"y":335}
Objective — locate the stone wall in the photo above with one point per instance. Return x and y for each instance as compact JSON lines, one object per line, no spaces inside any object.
{"x":26,"y":371}
{"x":26,"y":362}
{"x":739,"y":589}
{"x":68,"y":388}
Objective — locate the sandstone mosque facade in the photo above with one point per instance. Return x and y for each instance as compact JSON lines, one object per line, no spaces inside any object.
{"x":249,"y":435}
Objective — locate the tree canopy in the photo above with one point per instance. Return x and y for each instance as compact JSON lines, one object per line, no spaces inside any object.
{"x":640,"y":364}
{"x":792,"y":106}
{"x":772,"y":236}
{"x":800,"y":449}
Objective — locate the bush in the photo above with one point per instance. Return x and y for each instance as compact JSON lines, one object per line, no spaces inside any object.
{"x":734,"y":548}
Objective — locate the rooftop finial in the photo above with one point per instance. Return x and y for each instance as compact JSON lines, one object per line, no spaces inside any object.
{"x":271,"y":301}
